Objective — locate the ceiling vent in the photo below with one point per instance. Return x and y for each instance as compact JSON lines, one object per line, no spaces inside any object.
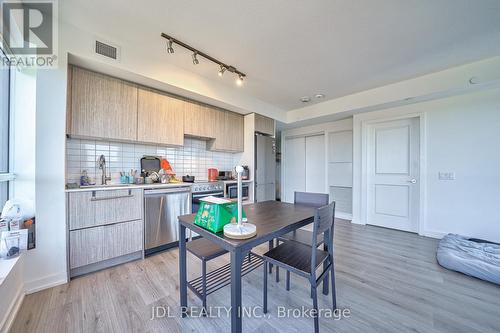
{"x":107,"y":50}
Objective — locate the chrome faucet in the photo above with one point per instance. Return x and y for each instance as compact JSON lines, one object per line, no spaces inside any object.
{"x":102,"y":166}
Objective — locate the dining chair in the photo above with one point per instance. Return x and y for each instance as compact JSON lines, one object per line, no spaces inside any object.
{"x":304,"y":260}
{"x":311,"y":199}
{"x":204,"y":250}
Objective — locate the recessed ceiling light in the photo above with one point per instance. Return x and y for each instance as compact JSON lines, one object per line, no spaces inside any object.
{"x":305,"y":99}
{"x":319,"y":96}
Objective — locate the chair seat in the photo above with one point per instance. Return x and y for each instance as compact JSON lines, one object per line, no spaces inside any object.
{"x":302,"y":236}
{"x":295,"y":255}
{"x":204,"y":249}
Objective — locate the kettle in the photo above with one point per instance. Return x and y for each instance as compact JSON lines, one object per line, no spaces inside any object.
{"x":213,"y":174}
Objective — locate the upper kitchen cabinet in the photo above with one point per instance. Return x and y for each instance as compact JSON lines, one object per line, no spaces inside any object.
{"x":229,"y":131}
{"x":264,"y":125}
{"x":160,"y":118}
{"x":102,"y":106}
{"x":199,"y":120}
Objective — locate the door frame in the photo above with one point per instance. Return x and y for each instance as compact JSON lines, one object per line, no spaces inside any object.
{"x":365,"y":125}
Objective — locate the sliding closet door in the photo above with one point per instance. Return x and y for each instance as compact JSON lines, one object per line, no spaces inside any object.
{"x":315,"y":172}
{"x":294,"y":164}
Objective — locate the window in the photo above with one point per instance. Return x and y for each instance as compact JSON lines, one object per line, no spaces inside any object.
{"x":5,"y":176}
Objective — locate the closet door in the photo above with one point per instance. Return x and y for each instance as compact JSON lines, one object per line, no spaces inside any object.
{"x":294,"y":165}
{"x":315,"y":172}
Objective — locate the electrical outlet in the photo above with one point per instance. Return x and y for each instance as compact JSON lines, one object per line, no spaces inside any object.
{"x":446,"y":175}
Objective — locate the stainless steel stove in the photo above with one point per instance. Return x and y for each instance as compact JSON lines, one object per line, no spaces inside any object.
{"x":204,"y":189}
{"x":204,"y":186}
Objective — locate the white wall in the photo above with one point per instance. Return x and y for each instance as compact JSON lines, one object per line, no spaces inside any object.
{"x":463,"y":136}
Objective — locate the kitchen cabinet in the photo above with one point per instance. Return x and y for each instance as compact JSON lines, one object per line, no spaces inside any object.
{"x":93,"y":245}
{"x":229,"y":132}
{"x":102,"y":106}
{"x":92,"y":208}
{"x":160,"y":118}
{"x":104,"y":225}
{"x":264,"y":125}
{"x":199,"y":120}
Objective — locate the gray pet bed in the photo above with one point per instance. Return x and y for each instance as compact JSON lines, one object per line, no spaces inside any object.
{"x":473,"y":257}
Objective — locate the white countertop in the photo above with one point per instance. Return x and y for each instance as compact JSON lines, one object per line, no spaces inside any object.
{"x":127,"y":186}
{"x":235,"y":181}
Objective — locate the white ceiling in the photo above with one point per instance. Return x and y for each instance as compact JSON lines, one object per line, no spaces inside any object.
{"x":294,"y":48}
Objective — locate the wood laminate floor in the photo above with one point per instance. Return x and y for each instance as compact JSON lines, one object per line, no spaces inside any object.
{"x":389,"y":280}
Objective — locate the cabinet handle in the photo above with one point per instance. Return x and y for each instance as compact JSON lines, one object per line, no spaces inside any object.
{"x":129,"y":195}
{"x":110,"y":198}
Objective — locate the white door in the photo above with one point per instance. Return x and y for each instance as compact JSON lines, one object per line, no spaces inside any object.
{"x":294,"y":164}
{"x":315,"y":164}
{"x":393,"y":174}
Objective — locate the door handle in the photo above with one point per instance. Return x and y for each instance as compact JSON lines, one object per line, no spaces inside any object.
{"x":412,"y":181}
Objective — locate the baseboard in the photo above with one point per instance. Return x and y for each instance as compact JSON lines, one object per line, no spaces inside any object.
{"x":8,"y":320}
{"x":433,"y":234}
{"x":46,"y":282}
{"x":344,"y":216}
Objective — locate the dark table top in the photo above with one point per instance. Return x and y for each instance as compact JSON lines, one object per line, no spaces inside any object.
{"x":272,"y":218}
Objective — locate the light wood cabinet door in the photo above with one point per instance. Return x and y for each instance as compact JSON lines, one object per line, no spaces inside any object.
{"x":102,"y":106}
{"x":235,"y":131}
{"x":81,"y":210}
{"x":91,"y":245}
{"x":160,"y":118}
{"x":199,"y":120}
{"x":264,"y":125}
{"x":117,"y":206}
{"x":94,"y":208}
{"x":229,"y":132}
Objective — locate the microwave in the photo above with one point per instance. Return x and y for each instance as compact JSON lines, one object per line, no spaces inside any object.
{"x":232,"y":191}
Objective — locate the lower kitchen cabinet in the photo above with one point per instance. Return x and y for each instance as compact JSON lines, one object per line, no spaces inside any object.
{"x":92,"y":245}
{"x":106,"y":228}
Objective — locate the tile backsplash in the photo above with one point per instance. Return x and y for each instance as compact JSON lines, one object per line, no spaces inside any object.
{"x":193,"y":158}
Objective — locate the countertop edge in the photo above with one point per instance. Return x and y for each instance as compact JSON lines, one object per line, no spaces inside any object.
{"x":132,"y":186}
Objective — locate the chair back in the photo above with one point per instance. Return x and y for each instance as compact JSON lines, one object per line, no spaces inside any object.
{"x":323,"y":221}
{"x":311,"y":199}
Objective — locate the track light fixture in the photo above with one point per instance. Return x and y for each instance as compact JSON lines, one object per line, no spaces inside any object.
{"x":239,"y":80}
{"x":221,"y":70}
{"x":222,"y":66}
{"x":170,"y":49}
{"x":195,"y":60}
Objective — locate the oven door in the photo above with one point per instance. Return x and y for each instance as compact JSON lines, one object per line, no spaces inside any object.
{"x":232,"y":191}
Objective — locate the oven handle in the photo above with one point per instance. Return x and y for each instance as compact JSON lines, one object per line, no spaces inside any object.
{"x":195,"y":196}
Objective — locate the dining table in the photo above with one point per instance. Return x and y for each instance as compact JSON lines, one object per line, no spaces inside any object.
{"x":272,"y":219}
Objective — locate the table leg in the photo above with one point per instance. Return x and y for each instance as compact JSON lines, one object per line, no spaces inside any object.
{"x":236,"y":262}
{"x":182,"y":269}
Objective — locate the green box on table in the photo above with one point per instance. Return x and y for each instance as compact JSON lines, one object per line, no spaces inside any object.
{"x":213,"y":216}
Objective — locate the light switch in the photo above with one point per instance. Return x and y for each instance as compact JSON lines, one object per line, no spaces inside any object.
{"x":446,"y":175}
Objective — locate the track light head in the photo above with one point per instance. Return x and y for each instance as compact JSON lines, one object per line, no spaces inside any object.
{"x":221,"y":70}
{"x":239,"y":80}
{"x":195,"y":59}
{"x":170,"y":49}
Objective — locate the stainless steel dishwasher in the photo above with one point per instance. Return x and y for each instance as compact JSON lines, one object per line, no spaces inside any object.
{"x":161,"y":209}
